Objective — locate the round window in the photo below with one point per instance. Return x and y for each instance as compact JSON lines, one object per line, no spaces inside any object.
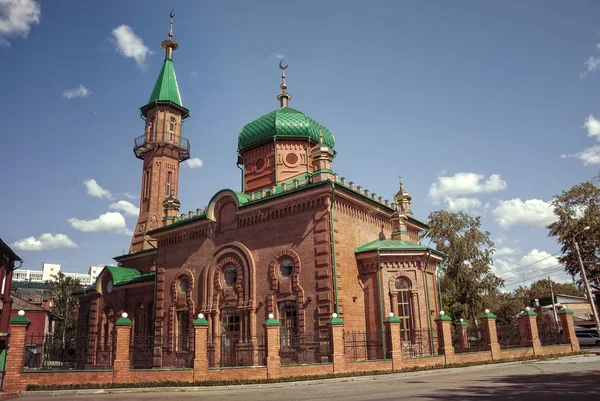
{"x":183,"y":284}
{"x":292,"y":159}
{"x":230,"y":275}
{"x":260,"y":165}
{"x":286,"y":267}
{"x":109,"y":286}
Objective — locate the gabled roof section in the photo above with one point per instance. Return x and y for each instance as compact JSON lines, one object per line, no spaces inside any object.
{"x":394,"y":245}
{"x":166,"y":88}
{"x":7,"y":250}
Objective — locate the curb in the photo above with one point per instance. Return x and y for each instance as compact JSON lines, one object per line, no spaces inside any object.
{"x":262,"y":385}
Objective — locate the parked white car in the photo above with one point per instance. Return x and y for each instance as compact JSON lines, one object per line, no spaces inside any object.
{"x":587,"y":338}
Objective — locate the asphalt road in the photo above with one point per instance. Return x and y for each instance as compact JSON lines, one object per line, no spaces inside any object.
{"x":572,"y":378}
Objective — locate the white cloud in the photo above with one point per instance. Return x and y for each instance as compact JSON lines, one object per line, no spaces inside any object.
{"x":95,"y":190}
{"x":441,"y":172}
{"x":462,"y":184}
{"x":464,"y":204}
{"x":130,"y":45}
{"x":17,"y":17}
{"x":534,"y":266}
{"x":194,"y":162}
{"x":532,"y":212}
{"x":110,"y":222}
{"x":130,"y":195}
{"x":126,"y":207}
{"x":279,"y":56}
{"x":590,"y":155}
{"x":43,"y":242}
{"x":80,"y":91}
{"x":506,"y":251}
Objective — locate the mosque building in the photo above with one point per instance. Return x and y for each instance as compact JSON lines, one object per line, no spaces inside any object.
{"x":295,"y":241}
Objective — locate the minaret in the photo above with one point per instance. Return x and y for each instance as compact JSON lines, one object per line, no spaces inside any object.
{"x":322,"y":157}
{"x":283,"y":97}
{"x":402,"y":210}
{"x":161,"y":147}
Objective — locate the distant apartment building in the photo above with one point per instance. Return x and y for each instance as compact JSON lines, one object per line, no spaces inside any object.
{"x":50,"y":271}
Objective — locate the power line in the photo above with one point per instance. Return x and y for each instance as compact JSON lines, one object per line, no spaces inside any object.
{"x":533,"y":275}
{"x":528,"y":265}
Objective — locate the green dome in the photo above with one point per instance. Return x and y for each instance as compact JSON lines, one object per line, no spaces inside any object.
{"x":283,"y":123}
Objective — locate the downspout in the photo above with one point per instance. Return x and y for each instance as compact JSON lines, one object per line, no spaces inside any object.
{"x":423,"y":237}
{"x":428,"y":300}
{"x":242,"y":170}
{"x":275,"y":161}
{"x":335,"y":287}
{"x":438,"y":280}
{"x":155,"y":281}
{"x":380,"y":302}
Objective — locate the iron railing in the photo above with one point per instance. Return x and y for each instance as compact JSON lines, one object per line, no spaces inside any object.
{"x":65,"y":352}
{"x":304,"y":348}
{"x":144,"y":143}
{"x":549,"y":332}
{"x":230,"y":350}
{"x":475,"y":338}
{"x":509,"y":335}
{"x":141,"y":351}
{"x":422,"y":342}
{"x":366,"y":345}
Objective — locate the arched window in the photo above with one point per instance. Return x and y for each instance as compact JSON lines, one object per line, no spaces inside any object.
{"x":171,"y":128}
{"x":38,"y":298}
{"x":403,"y":287}
{"x":288,"y":319}
{"x":24,"y":296}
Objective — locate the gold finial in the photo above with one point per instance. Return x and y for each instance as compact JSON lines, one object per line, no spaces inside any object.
{"x":321,"y":137}
{"x":283,"y":96}
{"x":401,"y":185}
{"x":170,"y":45}
{"x":172,"y":14}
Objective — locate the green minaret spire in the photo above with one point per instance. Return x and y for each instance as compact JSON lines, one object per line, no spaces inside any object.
{"x":166,"y":88}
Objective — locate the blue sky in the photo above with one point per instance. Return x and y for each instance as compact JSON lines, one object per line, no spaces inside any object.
{"x":488,"y":107}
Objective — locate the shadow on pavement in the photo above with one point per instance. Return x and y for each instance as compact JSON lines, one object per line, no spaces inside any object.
{"x":577,"y":386}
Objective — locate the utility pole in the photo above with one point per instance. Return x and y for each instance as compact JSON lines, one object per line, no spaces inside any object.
{"x":587,"y":283}
{"x":553,"y":304}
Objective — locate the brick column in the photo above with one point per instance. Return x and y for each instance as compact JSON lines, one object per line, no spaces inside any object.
{"x":392,"y":326}
{"x":336,"y":342}
{"x":122,"y":365}
{"x":463,"y":335}
{"x":200,"y":347}
{"x":15,"y":358}
{"x":529,"y":331}
{"x":273,"y":359}
{"x":566,"y":320}
{"x":490,"y":333}
{"x":444,"y":332}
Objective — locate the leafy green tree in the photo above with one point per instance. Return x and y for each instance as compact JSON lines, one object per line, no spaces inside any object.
{"x":505,"y":305}
{"x":64,"y":304}
{"x":467,"y":276}
{"x":576,"y":209}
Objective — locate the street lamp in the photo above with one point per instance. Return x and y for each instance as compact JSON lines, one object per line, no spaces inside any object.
{"x":585,"y":280}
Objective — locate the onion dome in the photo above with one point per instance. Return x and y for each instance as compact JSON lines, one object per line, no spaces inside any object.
{"x":284,"y":122}
{"x":171,"y":203}
{"x":321,"y":150}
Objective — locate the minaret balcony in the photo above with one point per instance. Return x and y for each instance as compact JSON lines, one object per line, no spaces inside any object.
{"x":143,"y":144}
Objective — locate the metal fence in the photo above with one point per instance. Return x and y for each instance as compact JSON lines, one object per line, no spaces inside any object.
{"x":304,"y":348}
{"x":509,"y":335}
{"x":65,"y":352}
{"x":549,"y":331}
{"x":235,"y":350}
{"x":475,"y":338}
{"x":419,"y":343}
{"x":141,"y":351}
{"x":366,"y":345}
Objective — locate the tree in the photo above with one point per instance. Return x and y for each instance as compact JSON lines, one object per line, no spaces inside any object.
{"x":505,"y":305}
{"x":576,"y":209}
{"x":541,"y":289}
{"x":467,"y":275}
{"x":63,"y":303}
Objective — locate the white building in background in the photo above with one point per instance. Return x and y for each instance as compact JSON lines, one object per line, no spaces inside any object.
{"x":50,"y":271}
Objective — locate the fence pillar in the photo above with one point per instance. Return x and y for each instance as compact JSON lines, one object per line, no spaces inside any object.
{"x":566,"y":320}
{"x":15,"y":356}
{"x":122,"y":364}
{"x":336,"y":341}
{"x":490,"y":333}
{"x":200,"y":347}
{"x":273,"y":358}
{"x":463,"y":335}
{"x":529,"y":331}
{"x":393,"y":328}
{"x":444,"y":332}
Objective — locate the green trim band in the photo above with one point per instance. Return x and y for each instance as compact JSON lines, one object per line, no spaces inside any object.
{"x":443,"y":318}
{"x":272,"y":323}
{"x":392,"y":319}
{"x":200,"y":322}
{"x":528,"y":313}
{"x":19,"y":320}
{"x":335,"y":321}
{"x":124,"y":321}
{"x":488,"y":316}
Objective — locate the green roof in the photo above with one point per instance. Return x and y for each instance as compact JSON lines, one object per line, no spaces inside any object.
{"x":126,"y":275}
{"x":393,"y":245}
{"x":166,"y":88}
{"x":284,"y":122}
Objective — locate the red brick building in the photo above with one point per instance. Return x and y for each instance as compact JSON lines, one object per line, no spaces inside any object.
{"x":7,"y":265}
{"x":295,"y":241}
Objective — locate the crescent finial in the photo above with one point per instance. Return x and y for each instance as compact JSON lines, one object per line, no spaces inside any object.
{"x":281,"y":64}
{"x":172,"y":14}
